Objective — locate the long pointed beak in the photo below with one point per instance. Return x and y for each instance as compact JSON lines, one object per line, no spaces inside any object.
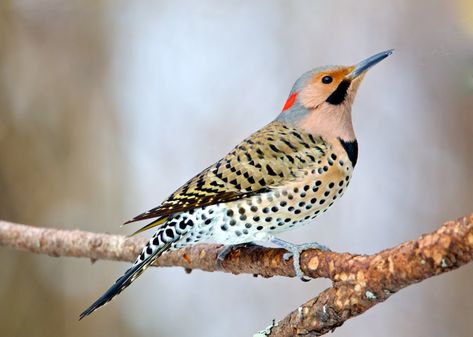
{"x":366,"y":64}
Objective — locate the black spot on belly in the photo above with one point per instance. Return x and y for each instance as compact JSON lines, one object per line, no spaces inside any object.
{"x":182,"y":225}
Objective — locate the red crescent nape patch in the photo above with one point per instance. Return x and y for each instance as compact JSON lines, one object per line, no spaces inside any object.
{"x":290,"y":101}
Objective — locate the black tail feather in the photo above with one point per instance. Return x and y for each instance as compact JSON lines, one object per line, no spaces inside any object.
{"x":123,"y":282}
{"x":114,"y":290}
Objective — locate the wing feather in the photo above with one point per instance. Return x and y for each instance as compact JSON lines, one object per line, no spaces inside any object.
{"x":270,"y":157}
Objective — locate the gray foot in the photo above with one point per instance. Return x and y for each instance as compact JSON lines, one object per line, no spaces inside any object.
{"x":295,"y":251}
{"x":227,"y":249}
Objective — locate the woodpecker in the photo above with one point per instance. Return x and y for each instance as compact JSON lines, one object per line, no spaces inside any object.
{"x":279,"y":178}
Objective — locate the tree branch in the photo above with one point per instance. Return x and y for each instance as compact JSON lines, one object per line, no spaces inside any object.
{"x":359,"y":281}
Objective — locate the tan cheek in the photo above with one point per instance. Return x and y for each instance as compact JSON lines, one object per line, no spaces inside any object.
{"x":313,"y":96}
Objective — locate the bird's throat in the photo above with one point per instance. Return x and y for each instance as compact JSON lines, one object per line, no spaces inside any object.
{"x":329,"y":121}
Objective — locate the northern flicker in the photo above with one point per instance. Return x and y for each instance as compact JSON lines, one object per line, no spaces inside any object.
{"x":281,"y":177}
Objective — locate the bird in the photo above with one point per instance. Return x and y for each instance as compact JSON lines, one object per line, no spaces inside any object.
{"x":279,"y":178}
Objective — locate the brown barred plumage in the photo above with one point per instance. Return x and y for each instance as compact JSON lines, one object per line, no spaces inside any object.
{"x":271,"y":157}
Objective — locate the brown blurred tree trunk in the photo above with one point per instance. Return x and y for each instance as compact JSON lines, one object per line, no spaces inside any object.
{"x":57,"y":131}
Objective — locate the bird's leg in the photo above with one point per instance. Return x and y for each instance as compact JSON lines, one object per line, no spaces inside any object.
{"x":228,"y":248}
{"x":295,"y":251}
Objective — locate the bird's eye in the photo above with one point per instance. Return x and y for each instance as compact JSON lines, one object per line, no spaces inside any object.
{"x":327,"y":79}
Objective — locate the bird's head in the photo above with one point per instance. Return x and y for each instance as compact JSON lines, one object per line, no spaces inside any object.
{"x":320,"y":100}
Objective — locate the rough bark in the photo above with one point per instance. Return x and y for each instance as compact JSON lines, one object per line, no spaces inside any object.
{"x":359,"y":281}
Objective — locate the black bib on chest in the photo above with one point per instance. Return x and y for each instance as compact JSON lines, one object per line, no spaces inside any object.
{"x":352,"y":150}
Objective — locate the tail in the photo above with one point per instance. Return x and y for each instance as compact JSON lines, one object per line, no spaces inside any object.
{"x":158,"y":244}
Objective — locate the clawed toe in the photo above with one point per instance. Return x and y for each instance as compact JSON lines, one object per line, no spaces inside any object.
{"x":287,"y":256}
{"x":223,"y":254}
{"x":228,"y":249}
{"x":295,"y":251}
{"x":313,"y":245}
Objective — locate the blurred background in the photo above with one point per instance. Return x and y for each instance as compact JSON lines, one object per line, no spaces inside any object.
{"x":106,"y":107}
